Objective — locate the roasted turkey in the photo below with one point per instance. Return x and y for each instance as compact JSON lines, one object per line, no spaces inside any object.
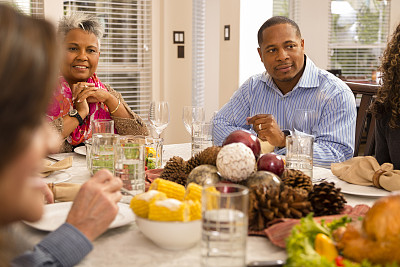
{"x":377,"y":237}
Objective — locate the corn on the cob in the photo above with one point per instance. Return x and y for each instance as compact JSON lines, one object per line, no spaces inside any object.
{"x":195,"y":209}
{"x":212,"y":195}
{"x":140,"y":203}
{"x":171,"y":189}
{"x":169,"y":210}
{"x":193,"y":192}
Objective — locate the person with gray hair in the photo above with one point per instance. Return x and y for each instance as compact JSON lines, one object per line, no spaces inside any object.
{"x":81,"y":97}
{"x":80,"y":20}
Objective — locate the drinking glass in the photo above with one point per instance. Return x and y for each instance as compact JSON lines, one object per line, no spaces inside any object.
{"x":191,"y":115}
{"x":299,"y":153}
{"x":304,"y":121}
{"x":159,"y":116}
{"x":102,"y":126}
{"x":224,"y":225}
{"x":153,"y":150}
{"x":103,"y":152}
{"x":201,"y":136}
{"x":88,"y":146}
{"x":129,"y":163}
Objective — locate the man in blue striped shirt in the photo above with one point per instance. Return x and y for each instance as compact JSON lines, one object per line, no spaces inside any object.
{"x":266,"y":103}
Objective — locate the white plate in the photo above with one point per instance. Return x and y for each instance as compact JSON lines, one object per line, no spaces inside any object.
{"x":55,"y":215}
{"x":358,"y":190}
{"x":57,"y":177}
{"x":81,"y":150}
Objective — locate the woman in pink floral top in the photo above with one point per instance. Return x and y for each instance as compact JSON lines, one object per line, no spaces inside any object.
{"x":81,"y":97}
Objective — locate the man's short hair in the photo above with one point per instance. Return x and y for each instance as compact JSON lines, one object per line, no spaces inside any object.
{"x":275,"y":21}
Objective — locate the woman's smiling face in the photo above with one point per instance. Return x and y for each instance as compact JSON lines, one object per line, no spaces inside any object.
{"x":81,"y":56}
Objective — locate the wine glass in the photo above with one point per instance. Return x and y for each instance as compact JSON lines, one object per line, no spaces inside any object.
{"x":192,"y":115}
{"x":304,"y":121}
{"x":159,"y":116}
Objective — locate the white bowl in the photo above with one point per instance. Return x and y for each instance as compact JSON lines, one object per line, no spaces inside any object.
{"x":171,"y":235}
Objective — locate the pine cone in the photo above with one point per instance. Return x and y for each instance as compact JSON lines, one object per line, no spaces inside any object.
{"x":209,"y":155}
{"x":206,"y":157}
{"x":267,"y":204}
{"x":175,"y":170}
{"x":192,"y":163}
{"x":297,"y":179}
{"x":326,"y":199}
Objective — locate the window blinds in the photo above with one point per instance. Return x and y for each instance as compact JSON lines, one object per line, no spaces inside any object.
{"x":125,"y":59}
{"x":358,"y":35}
{"x":198,"y":43}
{"x":286,"y":8}
{"x":33,"y":8}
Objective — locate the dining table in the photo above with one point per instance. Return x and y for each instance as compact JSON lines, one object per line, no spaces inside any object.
{"x":127,"y":246}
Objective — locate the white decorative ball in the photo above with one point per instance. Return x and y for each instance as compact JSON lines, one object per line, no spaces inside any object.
{"x":235,"y":162}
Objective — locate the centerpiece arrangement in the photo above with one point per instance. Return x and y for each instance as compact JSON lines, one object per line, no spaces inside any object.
{"x":275,"y":193}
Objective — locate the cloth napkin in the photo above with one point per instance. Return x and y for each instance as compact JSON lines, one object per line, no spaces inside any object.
{"x":151,"y":175}
{"x":64,"y":192}
{"x":48,"y":166}
{"x":367,"y":171}
{"x":266,"y":147}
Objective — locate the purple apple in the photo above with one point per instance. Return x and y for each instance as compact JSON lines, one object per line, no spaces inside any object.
{"x":272,"y":163}
{"x":223,"y":186}
{"x":245,"y":137}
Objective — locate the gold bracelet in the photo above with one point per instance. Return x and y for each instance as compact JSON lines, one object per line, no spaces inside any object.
{"x":119,"y":102}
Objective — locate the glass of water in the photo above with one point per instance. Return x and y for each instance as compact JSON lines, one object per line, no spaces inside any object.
{"x":299,"y":153}
{"x":129,"y":163}
{"x":88,"y":146}
{"x":102,"y":126}
{"x":201,"y":136}
{"x":102,"y":154}
{"x":304,"y":121}
{"x":224,"y":225}
{"x":153,"y":150}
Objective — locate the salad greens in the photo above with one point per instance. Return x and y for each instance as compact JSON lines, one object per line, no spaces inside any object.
{"x":300,"y":244}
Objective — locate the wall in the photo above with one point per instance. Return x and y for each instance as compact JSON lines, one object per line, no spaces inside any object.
{"x":253,"y":14}
{"x":314,"y":22}
{"x":229,"y":50}
{"x":172,"y":77}
{"x":176,"y":72}
{"x":394,"y":15}
{"x":56,"y":7}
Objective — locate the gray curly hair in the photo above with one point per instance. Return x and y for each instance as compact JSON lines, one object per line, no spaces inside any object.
{"x":80,"y":20}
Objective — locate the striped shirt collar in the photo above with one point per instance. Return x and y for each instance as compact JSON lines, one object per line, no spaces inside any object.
{"x":307,"y":80}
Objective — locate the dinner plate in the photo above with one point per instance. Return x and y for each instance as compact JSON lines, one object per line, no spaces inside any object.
{"x":57,"y":177}
{"x":358,"y":190}
{"x":55,"y":215}
{"x":81,"y":150}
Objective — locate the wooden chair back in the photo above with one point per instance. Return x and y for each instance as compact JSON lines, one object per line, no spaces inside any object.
{"x":364,"y":122}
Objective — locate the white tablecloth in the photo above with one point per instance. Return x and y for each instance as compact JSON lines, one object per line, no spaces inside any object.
{"x":126,"y":246}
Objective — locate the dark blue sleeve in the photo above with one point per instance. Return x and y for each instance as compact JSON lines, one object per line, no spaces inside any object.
{"x":66,"y":246}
